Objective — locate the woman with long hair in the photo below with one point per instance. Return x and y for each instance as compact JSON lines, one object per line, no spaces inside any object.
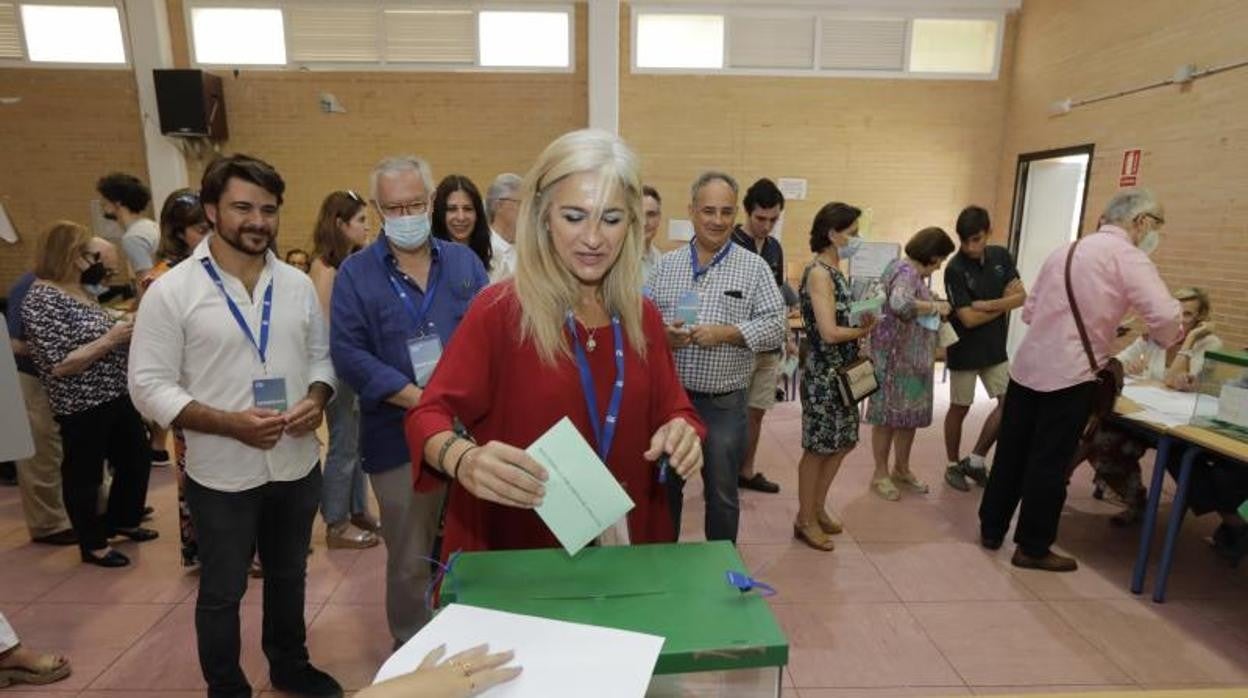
{"x":571,"y":336}
{"x":341,"y":229}
{"x":459,"y":216}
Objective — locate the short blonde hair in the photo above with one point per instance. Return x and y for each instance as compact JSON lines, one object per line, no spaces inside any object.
{"x":546,"y":288}
{"x":1199,"y":295}
{"x":59,"y":248}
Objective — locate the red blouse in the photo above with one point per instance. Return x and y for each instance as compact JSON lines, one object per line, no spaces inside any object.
{"x":501,"y":391}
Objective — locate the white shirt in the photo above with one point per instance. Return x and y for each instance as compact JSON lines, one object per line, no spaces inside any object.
{"x":649,"y":261}
{"x":1155,"y":356}
{"x":139,"y":243}
{"x":187,"y":346}
{"x":503,"y":264}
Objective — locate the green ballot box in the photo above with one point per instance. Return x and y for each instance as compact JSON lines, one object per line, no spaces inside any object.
{"x":677,"y":591}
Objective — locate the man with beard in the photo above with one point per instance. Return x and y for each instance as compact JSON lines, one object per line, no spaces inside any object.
{"x":124,"y":197}
{"x":233,"y":348}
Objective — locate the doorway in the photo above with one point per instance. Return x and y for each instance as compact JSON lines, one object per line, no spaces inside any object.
{"x":1050,"y":194}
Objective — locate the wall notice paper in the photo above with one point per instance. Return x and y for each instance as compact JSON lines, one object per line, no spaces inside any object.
{"x":793,"y":188}
{"x":7,"y":232}
{"x":872,"y":258}
{"x":582,"y":498}
{"x":679,"y":229}
{"x":559,"y":658}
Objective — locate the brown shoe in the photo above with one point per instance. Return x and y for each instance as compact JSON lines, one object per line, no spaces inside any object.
{"x":812,"y":535}
{"x":829,"y":525}
{"x":1052,"y":562}
{"x":366,"y":522}
{"x":344,"y":535}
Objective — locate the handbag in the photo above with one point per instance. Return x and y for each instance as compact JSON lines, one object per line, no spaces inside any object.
{"x":1109,"y":378}
{"x":856,"y":381}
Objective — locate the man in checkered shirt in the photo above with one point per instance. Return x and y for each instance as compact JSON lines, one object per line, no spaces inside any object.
{"x":721,"y":306}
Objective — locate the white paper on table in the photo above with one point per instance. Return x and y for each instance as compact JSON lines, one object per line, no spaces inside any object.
{"x":1165,"y":419}
{"x":559,"y":658}
{"x":1156,"y":399}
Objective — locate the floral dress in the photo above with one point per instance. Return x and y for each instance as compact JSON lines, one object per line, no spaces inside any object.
{"x":902,"y":351}
{"x":828,"y":426}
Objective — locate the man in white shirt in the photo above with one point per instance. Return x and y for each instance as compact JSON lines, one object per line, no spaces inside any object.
{"x":502,"y":205}
{"x":232,"y":347}
{"x":124,"y":199}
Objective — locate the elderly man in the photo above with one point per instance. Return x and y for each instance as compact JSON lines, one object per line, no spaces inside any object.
{"x":395,"y":305}
{"x":764,"y":203}
{"x":722,"y":307}
{"x":1052,"y":384}
{"x":502,"y":205}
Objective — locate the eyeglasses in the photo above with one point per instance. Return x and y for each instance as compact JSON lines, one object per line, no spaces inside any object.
{"x":1160,"y":221}
{"x":414,"y":208}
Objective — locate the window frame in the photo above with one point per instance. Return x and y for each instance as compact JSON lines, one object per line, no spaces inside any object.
{"x":25,"y":61}
{"x":997,"y":15}
{"x":382,"y":65}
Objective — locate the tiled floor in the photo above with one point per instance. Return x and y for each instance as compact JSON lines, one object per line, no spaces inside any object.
{"x":907,"y":605}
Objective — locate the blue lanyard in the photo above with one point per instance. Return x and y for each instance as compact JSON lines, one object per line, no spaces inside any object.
{"x":604,"y":432}
{"x":265,"y":315}
{"x":719,"y":257}
{"x":431,"y":289}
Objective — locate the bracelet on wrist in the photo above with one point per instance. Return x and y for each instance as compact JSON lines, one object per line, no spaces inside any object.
{"x":460,"y":460}
{"x":446,"y":447}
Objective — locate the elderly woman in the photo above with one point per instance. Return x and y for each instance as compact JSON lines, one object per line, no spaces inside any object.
{"x":570,"y":336}
{"x":903,"y":347}
{"x":1115,"y":453}
{"x":81,"y":352}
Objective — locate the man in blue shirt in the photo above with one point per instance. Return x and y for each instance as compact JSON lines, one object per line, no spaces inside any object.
{"x":394,"y":307}
{"x":39,"y":477}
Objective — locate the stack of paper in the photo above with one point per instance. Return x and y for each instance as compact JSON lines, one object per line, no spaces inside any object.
{"x":558,"y":658}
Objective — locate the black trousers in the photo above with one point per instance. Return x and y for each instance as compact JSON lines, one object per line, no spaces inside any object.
{"x":1039,"y":434}
{"x":112,"y":431}
{"x":276,"y":520}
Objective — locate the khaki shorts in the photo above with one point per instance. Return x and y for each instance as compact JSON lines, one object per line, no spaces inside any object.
{"x":962,"y":383}
{"x":763,"y":383}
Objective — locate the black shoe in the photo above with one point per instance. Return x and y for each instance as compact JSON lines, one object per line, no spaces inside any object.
{"x":160,"y":458}
{"x":112,"y":559}
{"x":8,"y":473}
{"x":137,"y":534}
{"x":758,"y":483}
{"x":1049,"y":562}
{"x":991,"y":542}
{"x":306,"y":680}
{"x":148,"y":513}
{"x":66,"y":537}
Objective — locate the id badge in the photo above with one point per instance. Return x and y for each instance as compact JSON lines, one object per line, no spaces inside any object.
{"x":687,"y":308}
{"x":424,"y":351}
{"x":269,"y":393}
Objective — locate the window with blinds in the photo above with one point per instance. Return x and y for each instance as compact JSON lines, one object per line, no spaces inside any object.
{"x":10,"y":36}
{"x":431,"y":36}
{"x":771,"y":42}
{"x":862,"y":44}
{"x":339,"y":33}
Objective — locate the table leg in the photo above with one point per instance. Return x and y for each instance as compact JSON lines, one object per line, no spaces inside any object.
{"x":1150,"y":514}
{"x":779,"y":680}
{"x":1178,"y":509}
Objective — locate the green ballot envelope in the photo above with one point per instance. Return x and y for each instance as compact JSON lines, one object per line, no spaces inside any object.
{"x":582,"y":497}
{"x":677,"y":591}
{"x":869,"y":306}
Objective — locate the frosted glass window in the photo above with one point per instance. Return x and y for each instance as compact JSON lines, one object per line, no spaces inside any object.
{"x":680,"y":41}
{"x":73,"y":34}
{"x":238,"y":36}
{"x":953,"y":46}
{"x":524,"y":39}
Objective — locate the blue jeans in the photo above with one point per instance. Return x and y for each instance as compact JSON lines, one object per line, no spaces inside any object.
{"x":722,"y":455}
{"x":344,"y":490}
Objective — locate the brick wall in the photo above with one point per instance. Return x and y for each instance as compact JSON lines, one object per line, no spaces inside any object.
{"x":1194,"y":138}
{"x":70,"y":127}
{"x":913,"y":151}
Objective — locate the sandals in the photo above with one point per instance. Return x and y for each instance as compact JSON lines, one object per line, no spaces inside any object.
{"x":830,"y":525}
{"x":885,"y":488}
{"x":908,"y":481}
{"x":813,"y":535}
{"x":55,"y":668}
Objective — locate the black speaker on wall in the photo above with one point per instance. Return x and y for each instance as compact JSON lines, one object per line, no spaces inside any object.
{"x":190,"y":103}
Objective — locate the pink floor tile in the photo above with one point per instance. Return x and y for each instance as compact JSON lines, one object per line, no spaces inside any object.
{"x":804,"y":575}
{"x":945,"y":572}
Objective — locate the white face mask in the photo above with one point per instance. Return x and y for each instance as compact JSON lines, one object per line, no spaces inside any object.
{"x":96,"y":290}
{"x":408,"y":232}
{"x":850,"y":249}
{"x":1148,"y":244}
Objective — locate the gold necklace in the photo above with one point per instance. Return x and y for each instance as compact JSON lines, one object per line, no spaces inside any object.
{"x":590,"y":342}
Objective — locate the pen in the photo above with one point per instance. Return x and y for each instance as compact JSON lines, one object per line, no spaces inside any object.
{"x":663,"y":466}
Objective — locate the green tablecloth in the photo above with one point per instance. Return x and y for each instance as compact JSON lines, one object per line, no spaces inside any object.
{"x":677,"y":591}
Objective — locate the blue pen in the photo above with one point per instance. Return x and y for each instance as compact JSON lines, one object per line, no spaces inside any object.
{"x":663,"y":466}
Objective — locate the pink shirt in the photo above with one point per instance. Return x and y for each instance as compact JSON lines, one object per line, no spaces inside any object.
{"x":1110,"y":276}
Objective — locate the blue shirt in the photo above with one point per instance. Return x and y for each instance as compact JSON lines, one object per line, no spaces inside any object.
{"x":369,"y":329}
{"x":13,"y":319}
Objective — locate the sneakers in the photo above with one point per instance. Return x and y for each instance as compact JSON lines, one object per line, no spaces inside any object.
{"x":956,"y":475}
{"x":1050,"y":562}
{"x":306,"y":680}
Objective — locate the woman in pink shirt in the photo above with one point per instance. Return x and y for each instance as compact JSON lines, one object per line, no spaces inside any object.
{"x":1051,"y":382}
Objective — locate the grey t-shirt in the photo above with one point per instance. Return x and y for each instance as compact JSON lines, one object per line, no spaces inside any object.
{"x":139,"y":244}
